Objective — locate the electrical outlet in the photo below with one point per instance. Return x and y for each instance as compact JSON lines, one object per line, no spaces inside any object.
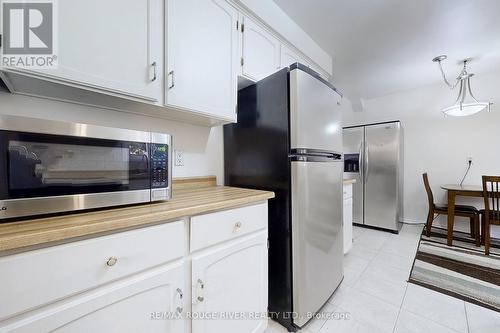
{"x":179,"y":158}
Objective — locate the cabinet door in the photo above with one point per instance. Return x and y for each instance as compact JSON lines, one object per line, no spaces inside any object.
{"x":289,"y":57}
{"x":77,"y":267}
{"x":149,"y":302}
{"x":110,"y":46}
{"x":347,"y":224}
{"x":260,"y":51}
{"x":231,"y":280}
{"x":202,"y":48}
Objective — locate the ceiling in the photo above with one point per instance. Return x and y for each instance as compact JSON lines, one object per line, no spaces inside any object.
{"x":384,"y":46}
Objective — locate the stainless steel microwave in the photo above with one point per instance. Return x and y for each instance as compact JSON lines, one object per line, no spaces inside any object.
{"x":51,"y":167}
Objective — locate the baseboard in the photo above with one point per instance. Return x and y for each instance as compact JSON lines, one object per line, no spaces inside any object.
{"x":411,"y":221}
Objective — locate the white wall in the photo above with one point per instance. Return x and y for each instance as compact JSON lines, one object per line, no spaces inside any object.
{"x":438,"y":145}
{"x":202,"y":146}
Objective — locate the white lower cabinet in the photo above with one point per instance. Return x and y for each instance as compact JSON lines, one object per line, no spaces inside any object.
{"x":47,"y":275}
{"x":348,"y":211}
{"x":142,"y":280}
{"x":230,"y":282}
{"x":138,"y":304}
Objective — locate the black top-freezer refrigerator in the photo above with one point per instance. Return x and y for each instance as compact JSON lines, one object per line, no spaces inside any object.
{"x":288,"y":139}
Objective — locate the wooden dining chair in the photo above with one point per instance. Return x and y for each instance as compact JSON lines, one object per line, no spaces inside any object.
{"x":491,"y":212}
{"x":460,"y":210}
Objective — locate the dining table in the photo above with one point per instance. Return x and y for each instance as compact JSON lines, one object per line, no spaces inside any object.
{"x":454,"y":191}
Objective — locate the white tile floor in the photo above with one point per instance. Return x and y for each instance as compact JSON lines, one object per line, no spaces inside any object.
{"x":377,"y":298}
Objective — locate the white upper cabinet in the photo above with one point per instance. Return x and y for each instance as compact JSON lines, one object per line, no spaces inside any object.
{"x":289,"y":57}
{"x":113,"y":46}
{"x":202,"y":57}
{"x":175,"y":59}
{"x":260,"y":51}
{"x":289,"y":31}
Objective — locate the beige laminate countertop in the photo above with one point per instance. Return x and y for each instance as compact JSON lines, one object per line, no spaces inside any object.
{"x":186,"y":202}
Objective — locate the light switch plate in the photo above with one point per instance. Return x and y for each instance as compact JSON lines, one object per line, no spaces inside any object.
{"x":179,"y":158}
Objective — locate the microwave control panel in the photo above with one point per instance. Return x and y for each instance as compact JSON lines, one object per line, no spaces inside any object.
{"x":159,"y":165}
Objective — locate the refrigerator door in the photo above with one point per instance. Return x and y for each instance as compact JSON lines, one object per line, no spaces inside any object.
{"x":317,"y":236}
{"x":315,"y":117}
{"x":354,"y":139}
{"x":381,"y":166}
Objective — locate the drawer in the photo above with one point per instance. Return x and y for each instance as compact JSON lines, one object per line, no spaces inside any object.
{"x":38,"y":277}
{"x":214,"y":228}
{"x":347,"y":191}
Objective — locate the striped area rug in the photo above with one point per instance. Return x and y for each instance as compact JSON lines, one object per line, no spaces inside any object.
{"x":461,"y":271}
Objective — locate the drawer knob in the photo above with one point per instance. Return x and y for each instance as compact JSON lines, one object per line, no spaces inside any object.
{"x":237,"y":225}
{"x":112,"y":261}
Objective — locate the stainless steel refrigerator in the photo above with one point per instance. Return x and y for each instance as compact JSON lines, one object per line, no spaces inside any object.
{"x":288,"y":139}
{"x":374,"y":158}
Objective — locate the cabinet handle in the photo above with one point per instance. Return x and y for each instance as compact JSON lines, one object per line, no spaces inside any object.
{"x":237,"y":226}
{"x":154,"y":71}
{"x":181,"y":295}
{"x":172,"y":74}
{"x":200,"y":297}
{"x":111,"y":261}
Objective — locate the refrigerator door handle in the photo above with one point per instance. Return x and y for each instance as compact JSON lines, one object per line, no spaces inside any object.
{"x":366,"y":164}
{"x":361,"y":159}
{"x":315,"y":158}
{"x":316,"y":152}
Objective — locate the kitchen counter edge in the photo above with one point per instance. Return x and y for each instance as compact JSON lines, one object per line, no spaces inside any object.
{"x":25,"y":235}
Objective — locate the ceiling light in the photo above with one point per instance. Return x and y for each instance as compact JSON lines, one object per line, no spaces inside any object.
{"x":465,"y":104}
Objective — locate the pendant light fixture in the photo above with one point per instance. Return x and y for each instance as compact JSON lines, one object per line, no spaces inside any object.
{"x":465,"y":104}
